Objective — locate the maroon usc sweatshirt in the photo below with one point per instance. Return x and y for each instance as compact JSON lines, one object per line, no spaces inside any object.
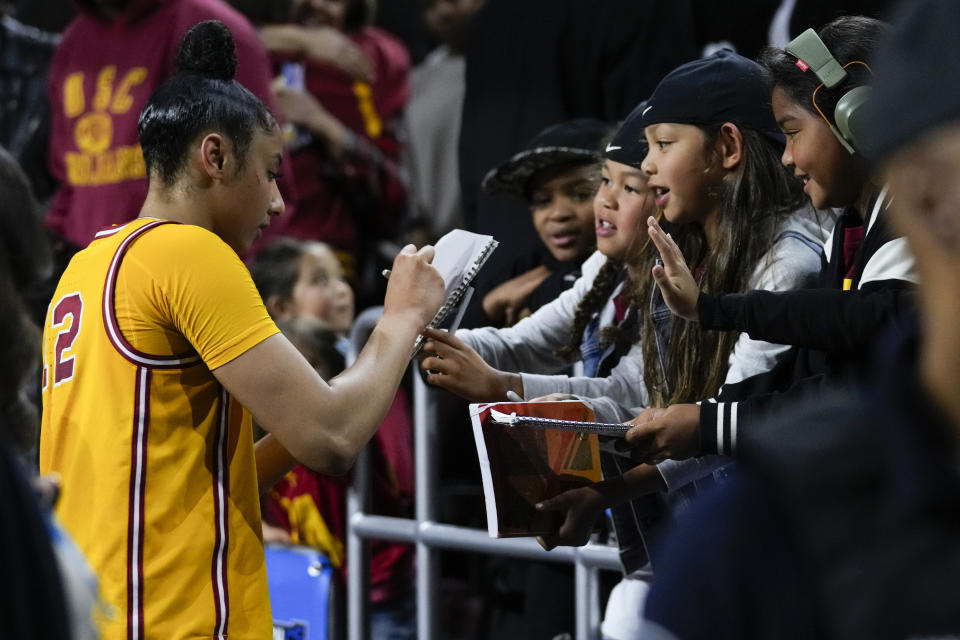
{"x":102,"y":75}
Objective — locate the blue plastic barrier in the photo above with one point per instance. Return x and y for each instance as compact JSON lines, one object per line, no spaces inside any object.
{"x":302,"y":593}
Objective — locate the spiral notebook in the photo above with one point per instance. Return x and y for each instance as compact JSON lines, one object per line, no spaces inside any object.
{"x":458,"y":257}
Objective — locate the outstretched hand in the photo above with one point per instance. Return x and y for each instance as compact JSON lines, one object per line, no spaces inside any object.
{"x":659,"y":434}
{"x":679,"y":289}
{"x":453,"y":365}
{"x":582,"y":507}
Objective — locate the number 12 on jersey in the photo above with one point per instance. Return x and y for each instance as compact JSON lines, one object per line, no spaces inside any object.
{"x":69,"y":306}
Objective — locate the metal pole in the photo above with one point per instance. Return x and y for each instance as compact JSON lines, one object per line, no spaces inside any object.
{"x":424,"y":422}
{"x":587,"y":601}
{"x":358,"y":575}
{"x":358,"y":501}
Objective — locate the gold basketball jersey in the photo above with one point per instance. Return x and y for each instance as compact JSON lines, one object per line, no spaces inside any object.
{"x":156,"y":461}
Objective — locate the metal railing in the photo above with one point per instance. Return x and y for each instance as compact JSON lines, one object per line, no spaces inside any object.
{"x":430,"y":536}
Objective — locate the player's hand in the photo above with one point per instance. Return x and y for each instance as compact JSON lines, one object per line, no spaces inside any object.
{"x":451,"y":364}
{"x":504,"y":305}
{"x":659,"y":434}
{"x":415,"y":288}
{"x":679,"y":289}
{"x":581,"y":508}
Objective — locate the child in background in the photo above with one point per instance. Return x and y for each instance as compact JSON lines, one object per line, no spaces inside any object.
{"x":297,"y":277}
{"x":350,"y":190}
{"x":304,"y":289}
{"x":556,"y":175}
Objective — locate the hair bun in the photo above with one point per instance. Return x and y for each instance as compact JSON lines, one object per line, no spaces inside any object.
{"x":208,"y":49}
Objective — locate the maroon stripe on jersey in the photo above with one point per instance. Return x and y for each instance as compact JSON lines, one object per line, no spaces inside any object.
{"x":221,"y":490}
{"x":110,"y":319}
{"x":135,"y":528}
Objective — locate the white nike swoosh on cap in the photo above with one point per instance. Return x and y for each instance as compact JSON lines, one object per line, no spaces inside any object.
{"x":644,"y":112}
{"x":610,"y":148}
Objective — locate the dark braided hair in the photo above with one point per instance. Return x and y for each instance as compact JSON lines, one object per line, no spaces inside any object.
{"x":591,"y":304}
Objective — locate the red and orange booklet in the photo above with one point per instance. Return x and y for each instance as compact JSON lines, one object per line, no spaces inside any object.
{"x":522,"y":465}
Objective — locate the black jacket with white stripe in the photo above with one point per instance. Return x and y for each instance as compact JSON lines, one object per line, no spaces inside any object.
{"x":830,"y":327}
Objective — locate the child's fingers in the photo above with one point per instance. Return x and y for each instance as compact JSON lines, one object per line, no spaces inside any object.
{"x":436,"y":336}
{"x":637,"y":440}
{"x":660,"y":276}
{"x":666,"y":248}
{"x":556,"y":503}
{"x":663,"y":242}
{"x":544,"y":542}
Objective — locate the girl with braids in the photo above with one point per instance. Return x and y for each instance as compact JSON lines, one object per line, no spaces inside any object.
{"x":713,"y":169}
{"x":158,"y":351}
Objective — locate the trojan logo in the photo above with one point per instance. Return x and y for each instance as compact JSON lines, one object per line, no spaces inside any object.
{"x":97,"y":161}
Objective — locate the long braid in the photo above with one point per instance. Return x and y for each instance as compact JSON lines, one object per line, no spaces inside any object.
{"x":603,"y":285}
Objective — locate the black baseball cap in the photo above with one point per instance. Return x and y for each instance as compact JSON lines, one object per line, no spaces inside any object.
{"x":628,"y":145}
{"x":723,"y":87}
{"x":916,"y":84}
{"x":567,"y":142}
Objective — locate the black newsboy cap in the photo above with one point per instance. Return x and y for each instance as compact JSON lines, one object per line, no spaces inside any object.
{"x":566,"y":142}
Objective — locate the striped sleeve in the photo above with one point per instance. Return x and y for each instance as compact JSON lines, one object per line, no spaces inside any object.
{"x":718,"y":427}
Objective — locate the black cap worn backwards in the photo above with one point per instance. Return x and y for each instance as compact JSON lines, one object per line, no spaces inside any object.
{"x":629,"y":145}
{"x":723,"y":87}
{"x":566,"y":142}
{"x":916,"y":77}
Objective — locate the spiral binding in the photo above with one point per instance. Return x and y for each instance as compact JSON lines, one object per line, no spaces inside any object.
{"x":612,"y":429}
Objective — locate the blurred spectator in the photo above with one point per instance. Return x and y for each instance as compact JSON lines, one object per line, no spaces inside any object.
{"x":48,"y":591}
{"x":24,"y":262}
{"x":433,"y":116}
{"x":343,"y":84}
{"x":402,"y":19}
{"x":537,"y":62}
{"x":111,"y":58}
{"x":48,"y":15}
{"x":25,"y":54}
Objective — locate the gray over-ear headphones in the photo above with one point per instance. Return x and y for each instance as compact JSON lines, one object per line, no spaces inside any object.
{"x":848,"y":117}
